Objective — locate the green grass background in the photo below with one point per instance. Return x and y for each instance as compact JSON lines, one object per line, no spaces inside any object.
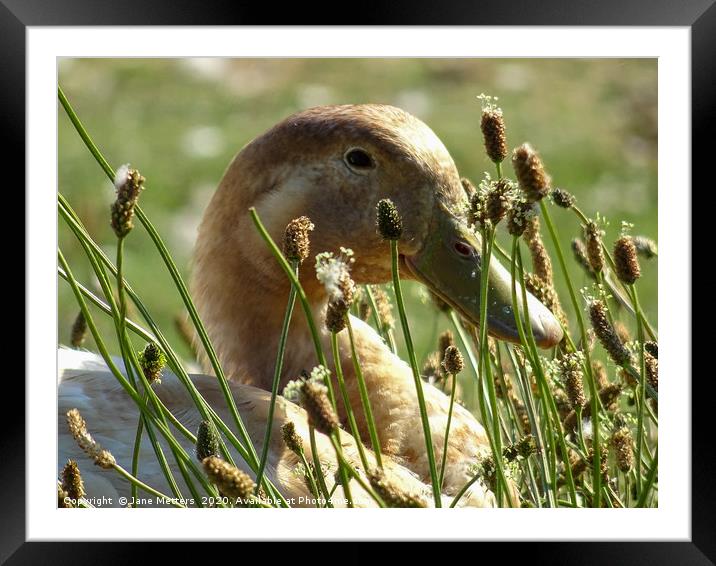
{"x":180,"y":121}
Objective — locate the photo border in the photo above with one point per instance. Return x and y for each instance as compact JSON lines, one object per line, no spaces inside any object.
{"x":700,"y":16}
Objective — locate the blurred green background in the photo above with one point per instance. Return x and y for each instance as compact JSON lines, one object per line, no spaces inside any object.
{"x":180,"y":121}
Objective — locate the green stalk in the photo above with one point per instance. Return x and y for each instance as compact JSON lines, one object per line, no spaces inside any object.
{"x":317,"y":465}
{"x":305,"y":305}
{"x":584,"y":221}
{"x":550,"y":406}
{"x":447,"y":430}
{"x":181,"y":287}
{"x":278,"y":369}
{"x":346,"y":401}
{"x":594,"y":394}
{"x":651,"y":476}
{"x":122,"y":380}
{"x":416,"y":372}
{"x":365,"y":400}
{"x":642,"y":389}
{"x":488,"y":236}
{"x":526,"y":387}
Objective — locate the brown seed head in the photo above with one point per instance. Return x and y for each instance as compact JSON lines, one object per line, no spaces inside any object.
{"x":391,"y":493}
{"x":563,"y":198}
{"x":453,"y":361}
{"x":599,"y":371}
{"x":336,"y":315}
{"x":290,"y":437}
{"x":390,"y":225}
{"x":72,"y":480}
{"x":128,"y":183}
{"x":626,"y":262}
{"x":540,"y":258}
{"x":652,"y":370}
{"x":595,"y":253}
{"x":79,"y":331}
{"x":498,"y":200}
{"x":606,"y":333}
{"x":652,"y":348}
{"x":432,"y":369}
{"x":523,"y":448}
{"x":384,"y":307}
{"x":445,"y":340}
{"x":492,"y":125}
{"x":314,"y":399}
{"x":532,"y":177}
{"x":623,"y":449}
{"x":231,"y":481}
{"x":78,"y":428}
{"x":296,"y":242}
{"x":580,"y":254}
{"x":570,"y":365}
{"x":63,"y":499}
{"x":518,"y":216}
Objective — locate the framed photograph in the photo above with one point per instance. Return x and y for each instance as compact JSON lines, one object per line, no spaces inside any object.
{"x":317,"y":268}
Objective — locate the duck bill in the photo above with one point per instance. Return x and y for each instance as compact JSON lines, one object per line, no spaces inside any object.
{"x":454,"y":275}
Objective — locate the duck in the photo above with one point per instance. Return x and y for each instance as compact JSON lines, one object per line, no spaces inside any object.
{"x":331,"y":164}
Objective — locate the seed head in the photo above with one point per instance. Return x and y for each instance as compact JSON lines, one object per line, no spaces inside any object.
{"x":570,"y":365}
{"x":600,"y":374}
{"x":128,"y":184}
{"x":563,"y":198}
{"x":78,"y":428}
{"x":595,"y":253}
{"x":652,"y":370}
{"x":498,"y":200}
{"x":453,"y":361}
{"x":334,"y":273}
{"x":623,"y":449}
{"x":79,"y":331}
{"x":645,"y":247}
{"x":336,"y":315}
{"x":652,"y":348}
{"x":208,"y":442}
{"x":152,"y":360}
{"x":314,"y":399}
{"x":392,"y":494}
{"x":231,"y":481}
{"x":532,"y":177}
{"x":626,"y":262}
{"x":296,"y":243}
{"x":519,"y":215}
{"x":492,"y":125}
{"x":384,"y":307}
{"x":432,"y":369}
{"x":580,"y":254}
{"x":72,"y":482}
{"x":63,"y":499}
{"x":622,"y":331}
{"x":523,"y":448}
{"x":606,"y":333}
{"x":390,"y":225}
{"x":540,"y":258}
{"x":290,"y":437}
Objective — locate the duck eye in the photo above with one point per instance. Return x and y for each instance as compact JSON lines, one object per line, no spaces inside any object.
{"x":465,"y":250}
{"x":359,"y":159}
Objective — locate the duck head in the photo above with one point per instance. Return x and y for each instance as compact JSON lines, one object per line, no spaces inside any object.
{"x":333,"y":164}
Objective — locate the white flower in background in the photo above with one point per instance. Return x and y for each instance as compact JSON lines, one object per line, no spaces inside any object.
{"x":587,"y":431}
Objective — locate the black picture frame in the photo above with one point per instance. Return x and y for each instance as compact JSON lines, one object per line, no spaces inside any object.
{"x":699,"y":15}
